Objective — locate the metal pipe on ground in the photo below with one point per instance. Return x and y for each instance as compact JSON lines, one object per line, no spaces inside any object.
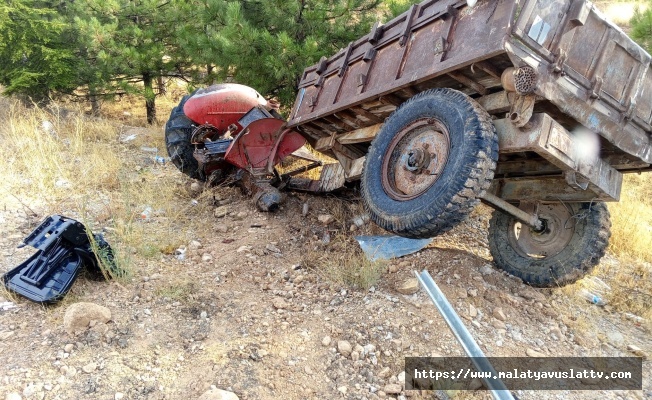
{"x":498,"y":389}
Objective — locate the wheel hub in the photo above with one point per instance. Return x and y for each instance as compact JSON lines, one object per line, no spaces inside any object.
{"x":415,"y":159}
{"x":557,"y":232}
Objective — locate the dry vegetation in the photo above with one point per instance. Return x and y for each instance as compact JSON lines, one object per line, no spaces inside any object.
{"x":61,"y":161}
{"x":631,"y":242}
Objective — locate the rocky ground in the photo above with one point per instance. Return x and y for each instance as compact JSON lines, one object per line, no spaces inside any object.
{"x":240,"y":311}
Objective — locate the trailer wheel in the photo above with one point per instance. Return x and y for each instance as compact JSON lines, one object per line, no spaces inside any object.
{"x":428,"y":165}
{"x":178,"y":131}
{"x":572,"y":242}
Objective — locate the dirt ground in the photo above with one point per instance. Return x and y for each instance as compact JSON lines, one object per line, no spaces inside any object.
{"x":242,"y":312}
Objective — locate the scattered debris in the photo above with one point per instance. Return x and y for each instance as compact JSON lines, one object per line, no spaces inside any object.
{"x":128,"y":138}
{"x":634,"y":318}
{"x":463,"y":336}
{"x":360,"y":220}
{"x":591,"y":297}
{"x":180,"y":253}
{"x":388,"y":247}
{"x":64,"y":247}
{"x":146,"y":213}
{"x":62,"y":183}
{"x":7,"y":305}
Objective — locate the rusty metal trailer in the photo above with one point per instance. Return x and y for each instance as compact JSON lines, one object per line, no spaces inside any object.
{"x":535,"y":107}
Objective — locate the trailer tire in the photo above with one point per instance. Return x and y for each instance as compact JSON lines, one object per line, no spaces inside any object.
{"x":444,"y":142}
{"x":575,"y":239}
{"x":178,"y":131}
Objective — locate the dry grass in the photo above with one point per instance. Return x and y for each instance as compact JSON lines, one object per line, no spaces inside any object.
{"x":632,"y":218}
{"x":64,"y":162}
{"x":629,"y":287}
{"x":343,"y":263}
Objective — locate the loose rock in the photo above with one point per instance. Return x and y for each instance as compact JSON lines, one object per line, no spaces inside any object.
{"x":326,"y":341}
{"x":90,"y":367}
{"x":499,"y":314}
{"x":279,"y":303}
{"x":326,"y":219}
{"x":220,"y":212}
{"x":534,"y":353}
{"x":218,"y":394}
{"x":486,"y":269}
{"x":344,"y":347}
{"x":408,"y":287}
{"x":393,"y":388}
{"x":195,"y":187}
{"x":473,"y":312}
{"x":531,"y":294}
{"x":79,"y":315}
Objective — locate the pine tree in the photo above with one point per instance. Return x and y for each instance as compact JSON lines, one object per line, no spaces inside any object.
{"x":641,"y":24}
{"x":130,"y":45}
{"x":37,"y":50}
{"x":267,"y":44}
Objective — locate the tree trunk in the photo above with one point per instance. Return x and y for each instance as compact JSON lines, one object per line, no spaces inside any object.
{"x":162,"y":90}
{"x":94,"y":100}
{"x":150,"y":98}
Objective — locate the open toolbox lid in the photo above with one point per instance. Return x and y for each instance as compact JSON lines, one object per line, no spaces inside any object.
{"x":63,"y":249}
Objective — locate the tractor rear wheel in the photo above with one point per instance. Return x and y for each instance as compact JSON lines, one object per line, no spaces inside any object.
{"x":178,"y":132}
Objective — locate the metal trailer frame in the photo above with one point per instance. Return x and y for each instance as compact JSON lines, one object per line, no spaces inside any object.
{"x":541,"y":68}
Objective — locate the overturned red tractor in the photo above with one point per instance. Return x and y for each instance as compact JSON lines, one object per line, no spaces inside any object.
{"x":534,"y":107}
{"x":230,"y":132}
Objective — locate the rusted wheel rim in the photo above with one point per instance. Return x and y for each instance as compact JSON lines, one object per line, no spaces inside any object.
{"x":558,"y":230}
{"x":415,"y":159}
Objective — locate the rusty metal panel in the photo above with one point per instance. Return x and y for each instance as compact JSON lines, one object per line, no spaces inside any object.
{"x":589,"y":69}
{"x":551,"y":141}
{"x":425,"y":43}
{"x":644,"y":109}
{"x":549,"y":189}
{"x":588,"y":46}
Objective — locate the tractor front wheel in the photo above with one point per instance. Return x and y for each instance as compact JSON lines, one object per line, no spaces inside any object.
{"x":178,"y":132}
